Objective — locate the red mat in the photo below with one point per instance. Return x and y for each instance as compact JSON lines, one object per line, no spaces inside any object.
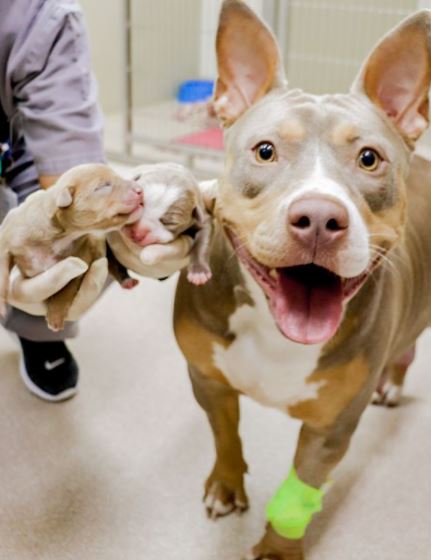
{"x":211,"y":138}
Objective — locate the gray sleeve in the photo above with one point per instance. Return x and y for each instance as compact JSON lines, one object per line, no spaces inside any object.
{"x":55,"y":93}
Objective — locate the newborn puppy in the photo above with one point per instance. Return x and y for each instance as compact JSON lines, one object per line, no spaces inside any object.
{"x":173,"y":206}
{"x":69,"y":219}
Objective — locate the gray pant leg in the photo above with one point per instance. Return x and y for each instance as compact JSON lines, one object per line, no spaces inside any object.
{"x":25,"y":325}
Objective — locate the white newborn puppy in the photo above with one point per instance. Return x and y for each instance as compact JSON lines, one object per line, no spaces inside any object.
{"x":173,"y":206}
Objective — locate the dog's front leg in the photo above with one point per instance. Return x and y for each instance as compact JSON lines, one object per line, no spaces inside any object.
{"x":289,"y":513}
{"x":224,"y":488}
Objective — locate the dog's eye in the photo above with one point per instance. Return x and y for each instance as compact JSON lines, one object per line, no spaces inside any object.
{"x":369,"y":159}
{"x":169,"y":221}
{"x":265,"y":152}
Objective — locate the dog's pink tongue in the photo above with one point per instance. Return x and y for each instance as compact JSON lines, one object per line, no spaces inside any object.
{"x":308,"y":304}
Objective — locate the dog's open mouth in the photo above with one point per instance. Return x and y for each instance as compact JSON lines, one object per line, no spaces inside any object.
{"x":306,"y":301}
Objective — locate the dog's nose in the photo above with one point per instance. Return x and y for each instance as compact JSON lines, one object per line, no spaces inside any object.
{"x":318,"y":220}
{"x":133,"y":186}
{"x":136,"y":188}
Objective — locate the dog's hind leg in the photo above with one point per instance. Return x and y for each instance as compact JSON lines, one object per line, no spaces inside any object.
{"x":224,"y":488}
{"x":390,"y":388}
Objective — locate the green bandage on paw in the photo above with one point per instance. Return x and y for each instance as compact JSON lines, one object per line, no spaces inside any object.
{"x":291,"y":509}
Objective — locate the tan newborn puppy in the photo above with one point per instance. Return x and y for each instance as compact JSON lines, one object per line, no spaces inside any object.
{"x":173,"y":206}
{"x":69,"y":219}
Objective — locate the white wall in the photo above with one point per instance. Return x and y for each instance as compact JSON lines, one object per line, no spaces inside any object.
{"x":326,"y":41}
{"x":209,"y":20}
{"x":105,"y":40}
{"x":165,"y":47}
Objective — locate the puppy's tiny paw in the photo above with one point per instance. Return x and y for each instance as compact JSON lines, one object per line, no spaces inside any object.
{"x":129,"y":283}
{"x":199,"y":277}
{"x":56,"y":327}
{"x":55,"y":323}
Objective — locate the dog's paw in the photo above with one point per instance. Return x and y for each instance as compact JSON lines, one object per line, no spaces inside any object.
{"x":273,"y":546}
{"x":222,"y":498}
{"x":264,"y":552}
{"x":199,"y":277}
{"x":389,"y":395}
{"x":129,"y":283}
{"x":260,"y":553}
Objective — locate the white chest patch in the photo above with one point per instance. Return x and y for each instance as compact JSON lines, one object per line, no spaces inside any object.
{"x":261,"y":362}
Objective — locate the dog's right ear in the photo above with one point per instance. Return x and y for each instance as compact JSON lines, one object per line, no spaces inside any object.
{"x":397,"y":75}
{"x":65,"y":196}
{"x":248,"y":61}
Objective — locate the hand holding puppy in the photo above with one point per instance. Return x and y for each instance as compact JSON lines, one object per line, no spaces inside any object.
{"x":56,"y":239}
{"x":50,"y":265}
{"x":30,"y":294}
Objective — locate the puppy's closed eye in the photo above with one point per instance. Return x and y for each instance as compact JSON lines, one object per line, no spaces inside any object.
{"x":176,"y":216}
{"x":170,"y":221}
{"x":104,"y":188}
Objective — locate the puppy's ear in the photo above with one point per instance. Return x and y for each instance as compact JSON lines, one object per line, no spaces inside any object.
{"x":248,"y":61}
{"x":397,"y":75}
{"x":65,"y":196}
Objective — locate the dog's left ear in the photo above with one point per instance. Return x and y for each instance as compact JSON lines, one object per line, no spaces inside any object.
{"x":65,"y":196}
{"x":397,"y":75}
{"x":248,"y":61}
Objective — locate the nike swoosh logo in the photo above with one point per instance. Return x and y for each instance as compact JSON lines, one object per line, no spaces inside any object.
{"x":52,"y":365}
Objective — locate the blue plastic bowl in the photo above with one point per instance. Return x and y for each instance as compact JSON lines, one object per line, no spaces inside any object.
{"x":194,"y":91}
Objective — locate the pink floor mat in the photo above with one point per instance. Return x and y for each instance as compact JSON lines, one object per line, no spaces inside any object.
{"x":211,"y":138}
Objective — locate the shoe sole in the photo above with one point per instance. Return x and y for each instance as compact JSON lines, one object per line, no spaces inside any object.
{"x":38,"y":392}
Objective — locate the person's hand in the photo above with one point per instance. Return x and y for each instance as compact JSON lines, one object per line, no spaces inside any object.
{"x":154,"y":261}
{"x":30,"y":294}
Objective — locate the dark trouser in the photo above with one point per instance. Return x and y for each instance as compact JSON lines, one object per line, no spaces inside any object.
{"x":25,"y":325}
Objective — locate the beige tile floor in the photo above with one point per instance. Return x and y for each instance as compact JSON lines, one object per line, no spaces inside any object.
{"x":117,"y":472}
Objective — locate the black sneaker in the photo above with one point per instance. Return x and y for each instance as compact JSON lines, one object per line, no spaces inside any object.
{"x":49,"y":370}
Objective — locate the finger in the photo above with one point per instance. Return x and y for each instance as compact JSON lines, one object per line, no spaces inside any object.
{"x":90,"y":289}
{"x":175,"y":251}
{"x":44,"y":285}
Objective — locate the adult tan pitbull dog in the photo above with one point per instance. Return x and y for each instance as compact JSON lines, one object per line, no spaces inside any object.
{"x":321,"y":260}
